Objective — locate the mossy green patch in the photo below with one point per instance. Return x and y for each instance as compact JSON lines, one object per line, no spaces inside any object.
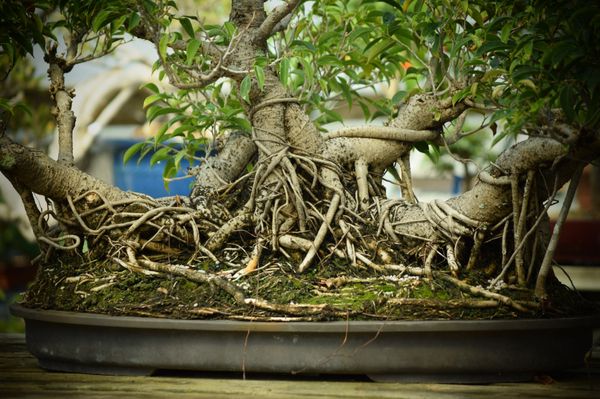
{"x":71,"y":283}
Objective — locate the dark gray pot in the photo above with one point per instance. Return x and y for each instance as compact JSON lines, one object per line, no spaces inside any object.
{"x":435,"y":351}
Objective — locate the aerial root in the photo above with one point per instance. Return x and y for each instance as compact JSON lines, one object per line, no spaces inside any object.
{"x":540,"y":284}
{"x":57,"y":242}
{"x":254,"y":260}
{"x":516,"y":203}
{"x":452,"y":261}
{"x":524,"y":239}
{"x":406,"y":186}
{"x":429,"y":260}
{"x":320,"y":236}
{"x":451,"y":225}
{"x":362,"y":171}
{"x":238,"y":222}
{"x":347,"y":236}
{"x":478,"y":238}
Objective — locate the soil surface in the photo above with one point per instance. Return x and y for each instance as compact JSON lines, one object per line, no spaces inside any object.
{"x":335,"y":292}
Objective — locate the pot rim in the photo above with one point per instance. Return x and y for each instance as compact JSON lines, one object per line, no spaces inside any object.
{"x":417,"y":326}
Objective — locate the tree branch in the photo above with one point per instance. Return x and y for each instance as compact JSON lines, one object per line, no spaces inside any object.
{"x":268,"y":26}
{"x":385,"y":133}
{"x":37,"y":172}
{"x":63,"y":101}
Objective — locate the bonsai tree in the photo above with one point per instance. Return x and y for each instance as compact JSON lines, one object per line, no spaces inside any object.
{"x":290,"y":221}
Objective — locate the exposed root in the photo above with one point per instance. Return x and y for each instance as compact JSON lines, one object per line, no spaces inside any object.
{"x":361,"y":170}
{"x":516,"y":202}
{"x":406,"y":186}
{"x":320,"y":236}
{"x":478,"y":238}
{"x":429,"y":260}
{"x":385,"y":133}
{"x":531,"y":231}
{"x":449,"y":304}
{"x":540,"y":284}
{"x":281,"y":207}
{"x":485,"y":293}
{"x":451,"y":258}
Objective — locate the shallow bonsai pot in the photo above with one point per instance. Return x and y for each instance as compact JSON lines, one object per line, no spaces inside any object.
{"x":432,"y":351}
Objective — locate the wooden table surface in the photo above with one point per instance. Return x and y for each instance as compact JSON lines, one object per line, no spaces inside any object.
{"x":20,"y":377}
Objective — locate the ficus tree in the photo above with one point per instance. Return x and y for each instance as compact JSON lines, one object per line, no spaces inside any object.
{"x":288,"y":220}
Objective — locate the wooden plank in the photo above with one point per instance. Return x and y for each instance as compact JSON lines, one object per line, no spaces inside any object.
{"x":20,"y":377}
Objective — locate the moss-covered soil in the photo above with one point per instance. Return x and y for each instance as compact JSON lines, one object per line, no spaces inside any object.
{"x":98,"y":286}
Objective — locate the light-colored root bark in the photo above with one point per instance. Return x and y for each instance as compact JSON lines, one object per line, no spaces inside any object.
{"x":384,"y":133}
{"x":451,"y":258}
{"x":321,"y":233}
{"x":406,"y":185}
{"x":361,"y":170}
{"x":478,"y":238}
{"x":540,"y":284}
{"x":532,"y":230}
{"x":516,"y":203}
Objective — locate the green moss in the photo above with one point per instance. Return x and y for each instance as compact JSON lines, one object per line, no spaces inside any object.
{"x":70,"y":283}
{"x":7,"y":162}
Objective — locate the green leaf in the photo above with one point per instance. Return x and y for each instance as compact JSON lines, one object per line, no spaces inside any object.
{"x":521,"y":72}
{"x":505,"y":33}
{"x":131,"y":151}
{"x":422,"y":146}
{"x":152,"y":99}
{"x":394,"y":172}
{"x":100,"y":20}
{"x":374,"y":49}
{"x":243,"y":124}
{"x":284,"y":71}
{"x":179,"y":156}
{"x":150,"y":86}
{"x":393,"y":3}
{"x":160,"y":135}
{"x":192,"y":50}
{"x":307,"y":45}
{"x":21,"y":106}
{"x":160,"y":155}
{"x":260,"y":76}
{"x":245,"y":89}
{"x":155,"y":111}
{"x":162,"y":45}
{"x":567,"y":102}
{"x":399,"y":96}
{"x":134,"y":21}
{"x":4,"y":104}
{"x":332,"y":115}
{"x":187,"y":26}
